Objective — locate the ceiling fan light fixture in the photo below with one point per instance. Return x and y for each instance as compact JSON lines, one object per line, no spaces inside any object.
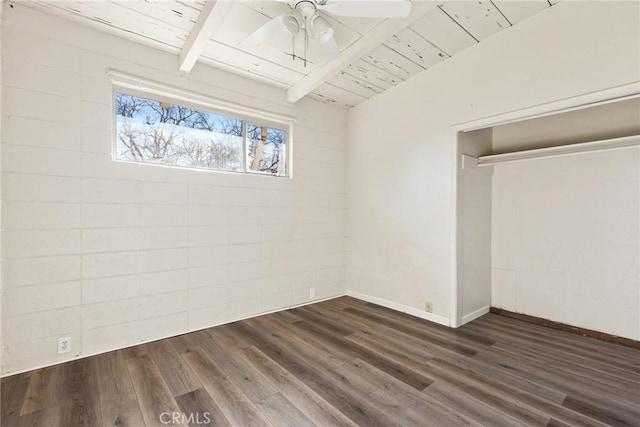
{"x":306,"y":29}
{"x":321,"y":30}
{"x":291,"y":24}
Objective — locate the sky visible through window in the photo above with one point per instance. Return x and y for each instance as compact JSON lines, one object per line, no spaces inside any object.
{"x":151,"y":131}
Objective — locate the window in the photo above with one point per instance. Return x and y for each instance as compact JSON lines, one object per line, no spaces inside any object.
{"x":163,"y":132}
{"x":266,"y":149}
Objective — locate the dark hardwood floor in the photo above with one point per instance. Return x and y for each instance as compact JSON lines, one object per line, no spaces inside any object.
{"x":342,"y":362}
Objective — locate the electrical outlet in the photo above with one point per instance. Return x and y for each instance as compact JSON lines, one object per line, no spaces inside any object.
{"x":312,"y":293}
{"x":64,"y":345}
{"x":428,"y":307}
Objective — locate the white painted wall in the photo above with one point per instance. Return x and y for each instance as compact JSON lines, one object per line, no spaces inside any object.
{"x":474,"y":209}
{"x":566,"y":240}
{"x":400,"y":152}
{"x":1,"y":209}
{"x":566,"y":231}
{"x":113,"y":254}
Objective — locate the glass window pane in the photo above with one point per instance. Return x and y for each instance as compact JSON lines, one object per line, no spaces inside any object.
{"x":266,"y":150}
{"x":153,"y":131}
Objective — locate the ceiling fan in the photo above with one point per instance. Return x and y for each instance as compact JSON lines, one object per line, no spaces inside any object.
{"x":305,"y":20}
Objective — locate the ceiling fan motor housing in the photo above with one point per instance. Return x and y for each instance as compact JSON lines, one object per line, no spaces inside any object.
{"x":306,"y":7}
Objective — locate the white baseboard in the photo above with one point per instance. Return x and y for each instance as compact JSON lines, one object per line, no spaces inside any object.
{"x":474,"y":314}
{"x":163,"y":337}
{"x":441,"y":320}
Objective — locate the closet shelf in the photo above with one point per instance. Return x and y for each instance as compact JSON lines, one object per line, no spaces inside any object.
{"x":561,"y":150}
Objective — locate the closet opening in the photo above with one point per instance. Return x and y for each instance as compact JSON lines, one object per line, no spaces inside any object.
{"x":547,"y":216}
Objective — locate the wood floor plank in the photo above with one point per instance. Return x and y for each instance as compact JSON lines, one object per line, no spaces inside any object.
{"x":154,"y":396}
{"x":187,"y":342}
{"x":453,"y":336}
{"x":41,"y":407}
{"x":416,"y":331}
{"x":236,"y":407}
{"x":175,"y":371}
{"x":136,"y":350}
{"x":490,"y":395}
{"x":405,"y":355}
{"x":337,"y":327}
{"x":470,"y":407}
{"x":283,"y":413}
{"x":312,"y":405}
{"x":304,"y":353}
{"x":339,"y":314}
{"x":555,"y":423}
{"x":602,"y":413}
{"x":509,"y":336}
{"x":201,"y":409}
{"x":456,"y":335}
{"x":252,"y":383}
{"x":615,"y":383}
{"x":569,"y":377}
{"x":41,"y":390}
{"x":341,"y":393}
{"x":322,"y":348}
{"x":418,"y":407}
{"x":580,"y":341}
{"x":340,"y":362}
{"x":229,"y":336}
{"x":124,"y":414}
{"x":571,"y":385}
{"x":347,"y":302}
{"x":523,"y":413}
{"x":416,"y":354}
{"x":499,"y":400}
{"x":583,"y":345}
{"x":512,"y":393}
{"x":42,"y":418}
{"x":114,"y":381}
{"x":336,"y":338}
{"x":13,"y":391}
{"x":287,"y":315}
{"x":393,"y":396}
{"x":80,"y":394}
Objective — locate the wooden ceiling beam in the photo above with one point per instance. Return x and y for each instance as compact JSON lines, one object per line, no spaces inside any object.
{"x":378,"y":34}
{"x":211,"y":15}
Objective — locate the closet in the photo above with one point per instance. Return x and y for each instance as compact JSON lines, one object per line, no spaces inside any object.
{"x":549,"y":218}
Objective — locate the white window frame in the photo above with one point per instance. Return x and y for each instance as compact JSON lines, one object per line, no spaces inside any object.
{"x":138,"y":86}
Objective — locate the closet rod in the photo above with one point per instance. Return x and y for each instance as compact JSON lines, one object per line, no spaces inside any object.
{"x":561,"y":150}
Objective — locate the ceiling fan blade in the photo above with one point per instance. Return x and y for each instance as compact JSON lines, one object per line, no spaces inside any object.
{"x":263,"y":33}
{"x":329,"y":49}
{"x":368,"y":8}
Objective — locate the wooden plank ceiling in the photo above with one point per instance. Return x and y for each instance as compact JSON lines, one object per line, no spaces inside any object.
{"x":429,"y":38}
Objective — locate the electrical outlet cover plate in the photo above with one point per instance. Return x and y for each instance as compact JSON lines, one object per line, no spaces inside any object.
{"x":428,"y":307}
{"x":64,"y":345}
